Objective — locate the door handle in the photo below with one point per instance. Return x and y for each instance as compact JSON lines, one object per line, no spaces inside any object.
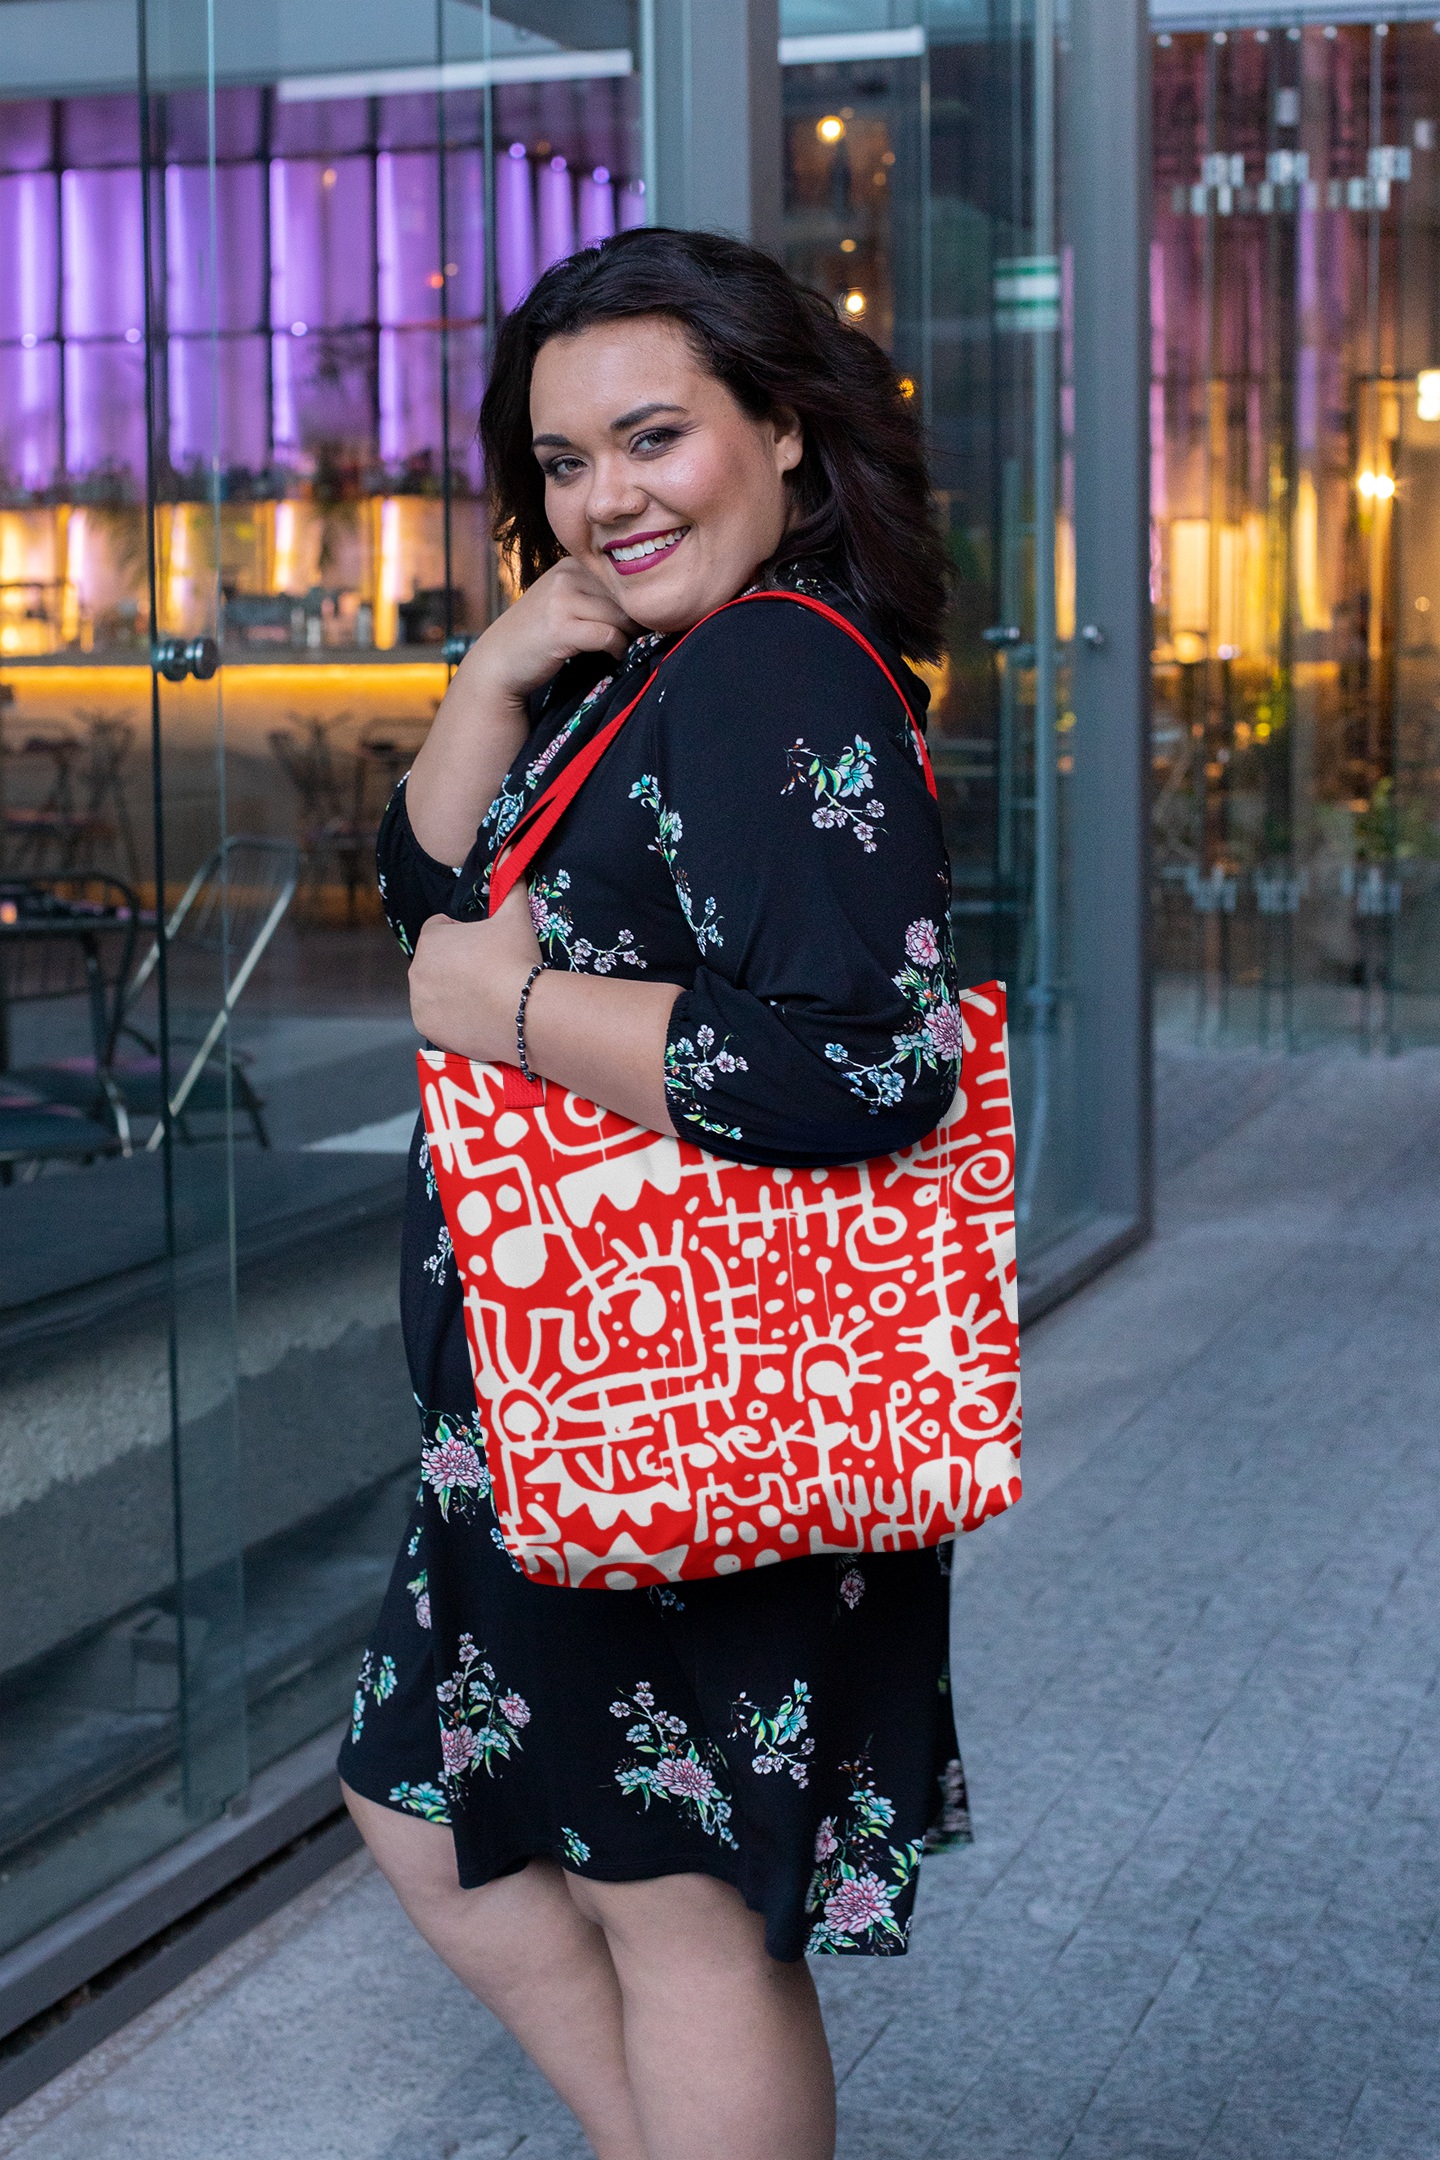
{"x":175,"y":659}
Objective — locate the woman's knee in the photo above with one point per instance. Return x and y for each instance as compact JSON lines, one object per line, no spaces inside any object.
{"x":672,"y":1920}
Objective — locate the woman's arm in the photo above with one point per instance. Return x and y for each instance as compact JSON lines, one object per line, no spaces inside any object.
{"x":481,"y":724}
{"x":605,"y":1040}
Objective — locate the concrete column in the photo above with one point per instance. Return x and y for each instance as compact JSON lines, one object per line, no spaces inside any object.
{"x":717,"y":117}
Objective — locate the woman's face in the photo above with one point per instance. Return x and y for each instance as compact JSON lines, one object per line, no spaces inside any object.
{"x":654,"y":476}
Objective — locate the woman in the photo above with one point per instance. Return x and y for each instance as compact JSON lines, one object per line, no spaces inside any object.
{"x":638,"y":1810}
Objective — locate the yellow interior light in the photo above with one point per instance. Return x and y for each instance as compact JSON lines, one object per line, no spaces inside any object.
{"x":831,"y":128}
{"x":847,"y":246}
{"x":907,"y":386}
{"x":1376,"y":485}
{"x":854,"y":303}
{"x":1366,"y":483}
{"x":1427,"y":394}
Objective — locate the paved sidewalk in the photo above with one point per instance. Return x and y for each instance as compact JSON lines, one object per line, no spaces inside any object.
{"x":1197,"y":1692}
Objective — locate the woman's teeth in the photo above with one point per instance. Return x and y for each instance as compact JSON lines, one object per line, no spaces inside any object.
{"x":653,"y":546}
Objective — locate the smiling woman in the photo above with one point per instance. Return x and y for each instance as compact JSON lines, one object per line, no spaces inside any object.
{"x":738,"y":932}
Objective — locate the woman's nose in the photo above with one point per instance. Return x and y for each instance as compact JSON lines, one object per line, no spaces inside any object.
{"x":614,"y":496}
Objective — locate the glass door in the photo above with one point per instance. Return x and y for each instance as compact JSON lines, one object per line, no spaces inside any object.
{"x":210,"y":887}
{"x":124,"y":906}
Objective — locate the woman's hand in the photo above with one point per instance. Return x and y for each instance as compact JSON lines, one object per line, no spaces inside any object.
{"x":480,"y":727}
{"x":567,"y":611}
{"x":466,"y":979}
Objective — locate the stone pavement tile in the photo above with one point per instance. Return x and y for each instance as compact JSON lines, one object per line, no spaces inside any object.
{"x":1387,"y":2125}
{"x":494,"y":2101}
{"x":1305,"y":2075}
{"x":323,"y":2049}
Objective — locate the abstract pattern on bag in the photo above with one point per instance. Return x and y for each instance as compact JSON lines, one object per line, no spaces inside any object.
{"x":688,"y":1366}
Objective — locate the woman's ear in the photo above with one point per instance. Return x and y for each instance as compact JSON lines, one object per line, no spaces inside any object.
{"x":789,"y":439}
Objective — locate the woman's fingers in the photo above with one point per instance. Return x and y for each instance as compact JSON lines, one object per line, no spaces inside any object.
{"x":563,"y":613}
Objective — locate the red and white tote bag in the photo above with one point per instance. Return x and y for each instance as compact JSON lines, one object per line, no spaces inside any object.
{"x":686,"y":1366}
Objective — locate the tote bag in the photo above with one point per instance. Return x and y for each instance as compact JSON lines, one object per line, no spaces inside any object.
{"x":686,"y":1366}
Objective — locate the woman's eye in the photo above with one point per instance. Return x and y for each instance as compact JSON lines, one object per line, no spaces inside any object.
{"x":561,"y":468}
{"x":653,"y":439}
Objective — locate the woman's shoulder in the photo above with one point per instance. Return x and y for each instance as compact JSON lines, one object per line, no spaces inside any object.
{"x":772,"y":658}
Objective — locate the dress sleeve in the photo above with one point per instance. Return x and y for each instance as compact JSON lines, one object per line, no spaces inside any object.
{"x":786,"y":796}
{"x":413,"y":886}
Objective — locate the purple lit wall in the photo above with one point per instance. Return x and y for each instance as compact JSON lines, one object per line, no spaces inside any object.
{"x":103,"y":315}
{"x":339,"y":356}
{"x":597,"y":207}
{"x":29,"y":371}
{"x":557,"y":213}
{"x":410,"y":272}
{"x":514,"y":228}
{"x":321,"y":292}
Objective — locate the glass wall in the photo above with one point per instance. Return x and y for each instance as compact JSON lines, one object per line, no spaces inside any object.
{"x":245,"y":311}
{"x":1295,"y":477}
{"x":924,"y":194}
{"x":247,"y":299}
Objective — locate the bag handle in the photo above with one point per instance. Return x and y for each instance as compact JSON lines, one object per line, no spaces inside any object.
{"x":532,"y":830}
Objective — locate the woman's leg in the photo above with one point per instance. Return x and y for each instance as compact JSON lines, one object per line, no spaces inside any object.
{"x":726,"y":2046}
{"x":523,"y":1946}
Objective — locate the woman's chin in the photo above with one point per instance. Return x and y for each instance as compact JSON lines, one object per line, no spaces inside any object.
{"x":675,"y":602}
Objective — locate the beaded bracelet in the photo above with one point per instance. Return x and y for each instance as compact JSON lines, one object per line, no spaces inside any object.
{"x":538,"y":969}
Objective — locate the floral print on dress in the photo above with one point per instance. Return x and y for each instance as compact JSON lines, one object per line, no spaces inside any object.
{"x":860,"y":1877}
{"x":777,"y":1733}
{"x":706,"y":932}
{"x":477,"y":1722}
{"x":419,"y":1589}
{"x":852,"y":1585}
{"x":440,"y":1259}
{"x":577,"y":1852}
{"x":678,"y":1768}
{"x":426,"y":1800}
{"x":555,"y":930}
{"x":839,"y":788}
{"x":929,"y":984}
{"x":453,"y":1468}
{"x":510,"y":803}
{"x":398,"y":930}
{"x":690,"y":1068}
{"x":497,"y":1538}
{"x":427,"y":1168}
{"x":377,"y":1681}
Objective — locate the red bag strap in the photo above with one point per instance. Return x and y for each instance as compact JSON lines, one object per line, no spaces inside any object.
{"x":545,"y":812}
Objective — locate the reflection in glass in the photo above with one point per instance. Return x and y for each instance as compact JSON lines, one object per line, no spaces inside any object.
{"x":231,"y":1471}
{"x":1294,"y":494}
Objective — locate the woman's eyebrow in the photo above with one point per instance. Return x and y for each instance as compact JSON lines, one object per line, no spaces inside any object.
{"x":639,"y":413}
{"x":626,"y":420}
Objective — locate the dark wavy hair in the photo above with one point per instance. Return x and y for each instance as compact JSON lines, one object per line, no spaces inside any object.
{"x":861,"y":491}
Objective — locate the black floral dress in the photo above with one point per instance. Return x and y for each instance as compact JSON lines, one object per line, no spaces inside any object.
{"x":759,"y":833}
